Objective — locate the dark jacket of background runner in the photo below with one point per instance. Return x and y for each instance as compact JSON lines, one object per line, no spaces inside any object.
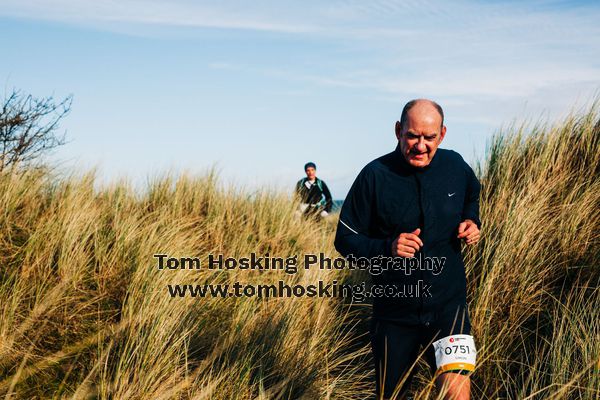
{"x":315,"y":194}
{"x":390,"y":197}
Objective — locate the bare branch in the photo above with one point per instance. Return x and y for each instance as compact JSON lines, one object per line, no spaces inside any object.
{"x":28,"y":127}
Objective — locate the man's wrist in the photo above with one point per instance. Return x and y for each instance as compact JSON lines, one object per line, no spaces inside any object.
{"x":388,"y":247}
{"x":474,"y":220}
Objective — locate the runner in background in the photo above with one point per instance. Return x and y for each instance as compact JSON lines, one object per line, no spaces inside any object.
{"x":314,"y":194}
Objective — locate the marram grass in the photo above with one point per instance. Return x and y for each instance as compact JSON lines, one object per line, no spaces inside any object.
{"x":85,"y":313}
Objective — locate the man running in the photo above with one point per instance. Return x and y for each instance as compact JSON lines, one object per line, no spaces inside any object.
{"x":413,"y":204}
{"x":314,"y":193}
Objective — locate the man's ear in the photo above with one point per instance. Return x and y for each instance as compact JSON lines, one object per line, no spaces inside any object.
{"x":442,"y":133}
{"x":398,"y":130}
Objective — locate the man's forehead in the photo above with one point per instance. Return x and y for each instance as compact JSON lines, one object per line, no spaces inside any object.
{"x":423,"y":122}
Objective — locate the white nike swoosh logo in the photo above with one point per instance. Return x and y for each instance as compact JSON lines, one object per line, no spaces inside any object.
{"x":451,"y":194}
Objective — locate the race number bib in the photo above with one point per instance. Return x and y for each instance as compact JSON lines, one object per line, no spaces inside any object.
{"x":455,"y":352}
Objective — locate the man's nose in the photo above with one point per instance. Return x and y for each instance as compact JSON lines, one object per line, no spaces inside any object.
{"x":421,"y":144}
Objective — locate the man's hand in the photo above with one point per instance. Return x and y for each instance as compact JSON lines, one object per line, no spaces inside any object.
{"x":468,"y":231}
{"x":407,"y":244}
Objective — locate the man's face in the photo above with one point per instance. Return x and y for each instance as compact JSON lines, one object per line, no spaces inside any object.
{"x":421,"y":136}
{"x":311,"y":173}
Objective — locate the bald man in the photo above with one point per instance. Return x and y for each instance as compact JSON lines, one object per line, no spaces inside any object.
{"x":408,"y":211}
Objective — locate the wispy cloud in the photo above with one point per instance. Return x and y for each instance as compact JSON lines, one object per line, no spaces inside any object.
{"x":151,"y":12}
{"x":463,"y":52}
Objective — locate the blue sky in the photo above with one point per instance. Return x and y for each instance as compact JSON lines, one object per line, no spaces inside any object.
{"x":257,"y":89}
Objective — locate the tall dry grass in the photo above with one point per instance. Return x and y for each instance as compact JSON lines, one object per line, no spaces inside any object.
{"x":85,"y":313}
{"x":534,"y":277}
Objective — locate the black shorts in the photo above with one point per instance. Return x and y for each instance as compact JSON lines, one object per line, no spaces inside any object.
{"x":396,"y":347}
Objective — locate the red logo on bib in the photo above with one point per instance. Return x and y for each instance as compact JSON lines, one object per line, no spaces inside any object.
{"x":451,"y":340}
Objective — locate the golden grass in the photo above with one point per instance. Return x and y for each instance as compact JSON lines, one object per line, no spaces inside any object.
{"x":85,"y":313}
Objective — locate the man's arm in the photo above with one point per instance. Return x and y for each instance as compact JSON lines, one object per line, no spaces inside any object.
{"x":352,"y":235}
{"x":328,"y":199}
{"x":471,"y":207}
{"x":470,"y":225}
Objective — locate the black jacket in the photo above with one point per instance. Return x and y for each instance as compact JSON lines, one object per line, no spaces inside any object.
{"x":315,"y":195}
{"x":390,"y":197}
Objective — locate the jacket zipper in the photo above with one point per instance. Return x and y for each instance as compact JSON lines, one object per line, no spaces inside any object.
{"x":422,"y":226}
